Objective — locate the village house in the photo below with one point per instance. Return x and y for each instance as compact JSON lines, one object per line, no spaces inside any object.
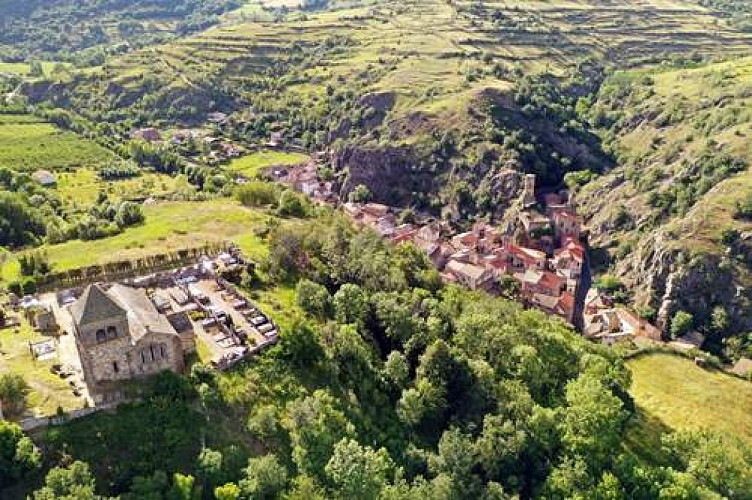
{"x":554,"y":201}
{"x":521,"y":258}
{"x":534,"y":222}
{"x":120,"y":336}
{"x":566,"y":225}
{"x":562,"y":305}
{"x":568,"y":260}
{"x":542,"y":282}
{"x":607,"y":323}
{"x":472,"y":276}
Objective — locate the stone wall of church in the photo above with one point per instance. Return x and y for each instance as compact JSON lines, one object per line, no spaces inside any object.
{"x":156,"y":352}
{"x":103,"y":346}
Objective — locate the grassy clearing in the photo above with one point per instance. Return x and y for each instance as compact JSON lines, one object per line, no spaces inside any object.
{"x":169,"y":225}
{"x":23,"y":68}
{"x":48,"y":390}
{"x":675,"y":393}
{"x":29,"y":146}
{"x":250,"y":165}
{"x":83,"y":186}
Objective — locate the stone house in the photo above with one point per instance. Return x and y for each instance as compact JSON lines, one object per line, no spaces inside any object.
{"x":568,"y":260}
{"x":120,"y":336}
{"x":542,"y":282}
{"x":521,"y":258}
{"x":470,"y":275}
{"x":566,"y":225}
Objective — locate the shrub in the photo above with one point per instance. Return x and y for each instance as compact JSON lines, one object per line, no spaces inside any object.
{"x":312,"y":298}
{"x":681,"y":323}
{"x":609,"y":283}
{"x":291,"y":204}
{"x":13,"y":392}
{"x":257,"y":194}
{"x":361,"y":194}
{"x":29,"y":285}
{"x":129,"y":214}
{"x":744,"y":207}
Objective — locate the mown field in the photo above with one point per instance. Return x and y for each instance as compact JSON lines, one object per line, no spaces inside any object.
{"x":251,"y":164}
{"x":26,"y":144}
{"x":24,"y":68}
{"x":673,"y":393}
{"x":82,"y":186}
{"x":168,"y":226}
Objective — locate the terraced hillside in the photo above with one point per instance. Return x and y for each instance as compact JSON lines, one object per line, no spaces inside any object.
{"x":673,"y":215}
{"x":426,"y":75}
{"x":420,"y":47}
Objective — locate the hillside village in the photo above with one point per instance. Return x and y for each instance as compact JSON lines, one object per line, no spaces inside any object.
{"x":539,"y":259}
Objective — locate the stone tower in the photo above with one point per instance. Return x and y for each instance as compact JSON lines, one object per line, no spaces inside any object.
{"x":528,"y":191}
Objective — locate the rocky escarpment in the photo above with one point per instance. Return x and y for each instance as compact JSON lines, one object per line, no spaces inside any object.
{"x":394,"y":175}
{"x":670,"y":278}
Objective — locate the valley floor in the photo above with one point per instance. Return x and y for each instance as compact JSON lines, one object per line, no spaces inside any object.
{"x":681,"y":395}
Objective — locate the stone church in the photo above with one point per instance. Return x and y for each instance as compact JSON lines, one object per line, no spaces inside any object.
{"x":120,"y":336}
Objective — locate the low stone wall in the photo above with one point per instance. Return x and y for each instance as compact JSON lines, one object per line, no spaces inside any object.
{"x":129,"y":269}
{"x":34,"y":423}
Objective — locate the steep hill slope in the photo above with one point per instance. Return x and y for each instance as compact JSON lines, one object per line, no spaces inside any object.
{"x":443,"y":83}
{"x":673,"y":214}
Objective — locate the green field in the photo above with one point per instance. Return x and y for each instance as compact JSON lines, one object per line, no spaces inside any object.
{"x":168,"y":226}
{"x":26,"y":146}
{"x":250,"y":165}
{"x":673,"y":393}
{"x":23,"y":68}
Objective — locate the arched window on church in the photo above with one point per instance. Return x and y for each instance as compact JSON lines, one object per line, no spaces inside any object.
{"x":101,"y":335}
{"x":111,"y":332}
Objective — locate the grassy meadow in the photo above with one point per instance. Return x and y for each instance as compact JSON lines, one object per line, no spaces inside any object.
{"x":251,"y":164}
{"x":82,"y":186}
{"x":24,"y":68}
{"x":672,"y":393}
{"x":169,"y":225}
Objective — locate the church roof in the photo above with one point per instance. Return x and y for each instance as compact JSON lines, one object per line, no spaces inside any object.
{"x":143,"y":317}
{"x":95,"y":305}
